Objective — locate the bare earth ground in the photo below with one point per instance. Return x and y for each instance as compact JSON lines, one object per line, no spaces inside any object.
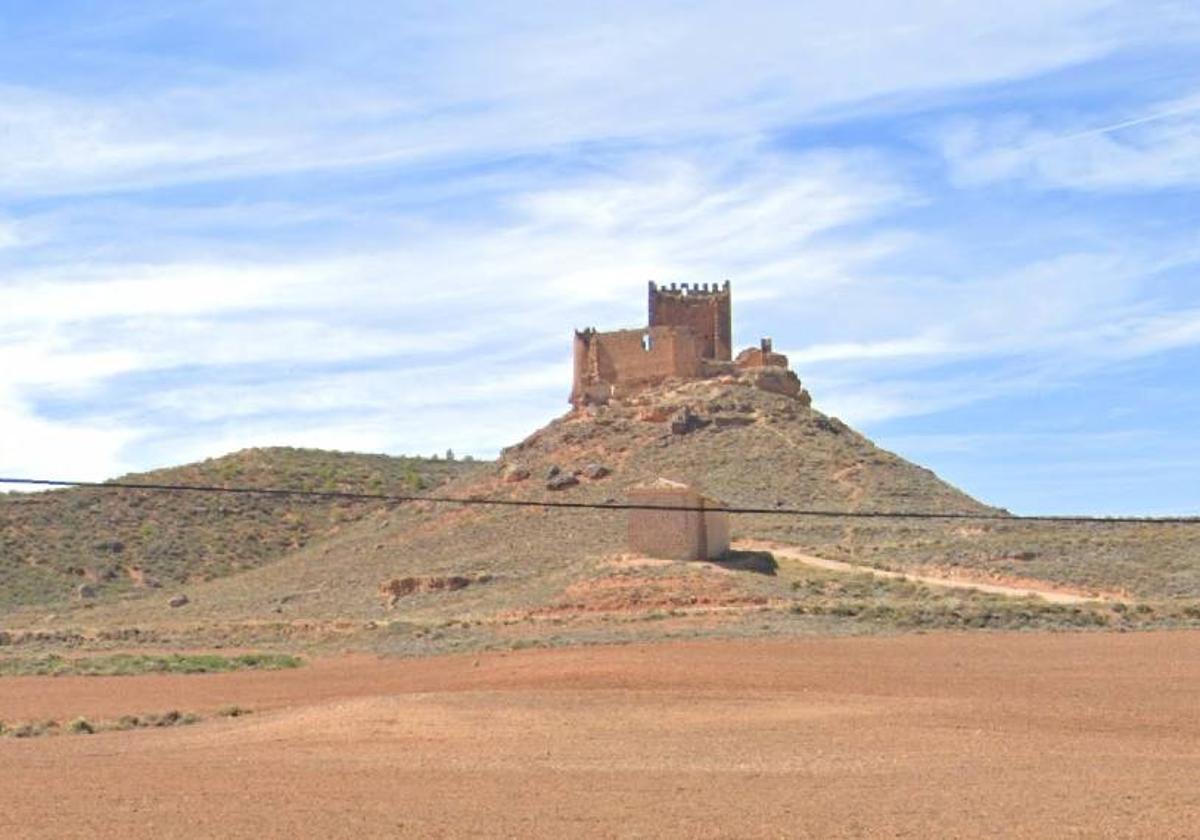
{"x":1027,"y":735}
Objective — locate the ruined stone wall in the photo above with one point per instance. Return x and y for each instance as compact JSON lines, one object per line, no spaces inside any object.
{"x":613,"y":364}
{"x":761,"y":357}
{"x":704,"y":309}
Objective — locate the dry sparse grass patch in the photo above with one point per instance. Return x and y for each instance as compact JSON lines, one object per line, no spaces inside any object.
{"x":121,"y":542}
{"x":85,"y":726}
{"x":1149,"y":562}
{"x":133,"y":664}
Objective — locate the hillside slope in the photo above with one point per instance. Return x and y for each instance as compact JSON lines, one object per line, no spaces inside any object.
{"x":53,"y":543}
{"x":468,"y":576}
{"x":742,"y":444}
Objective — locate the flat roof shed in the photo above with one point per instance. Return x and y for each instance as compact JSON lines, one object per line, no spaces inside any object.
{"x":695,"y":532}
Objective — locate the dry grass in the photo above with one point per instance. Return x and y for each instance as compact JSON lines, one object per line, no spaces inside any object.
{"x":119,"y":543}
{"x":85,"y":726}
{"x":754,"y":448}
{"x":130,"y":664}
{"x":1143,"y":561}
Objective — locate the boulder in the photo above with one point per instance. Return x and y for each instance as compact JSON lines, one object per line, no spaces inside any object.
{"x":654,"y":414}
{"x":776,"y":380}
{"x":686,"y":421}
{"x":829,"y":424}
{"x":512,"y":473}
{"x":562,"y":481}
{"x":596,"y":471}
{"x":85,"y":592}
{"x":177,"y":601}
{"x":726,"y":421}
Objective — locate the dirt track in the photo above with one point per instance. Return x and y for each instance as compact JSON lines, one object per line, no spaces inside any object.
{"x":1030,"y":589}
{"x":917,"y":736}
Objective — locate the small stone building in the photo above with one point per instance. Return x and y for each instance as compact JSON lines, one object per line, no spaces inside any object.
{"x":688,"y":529}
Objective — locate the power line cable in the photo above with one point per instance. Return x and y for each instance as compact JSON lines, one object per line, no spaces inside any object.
{"x":558,"y":503}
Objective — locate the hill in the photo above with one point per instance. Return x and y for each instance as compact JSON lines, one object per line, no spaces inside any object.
{"x":470,"y":576}
{"x":116,"y":543}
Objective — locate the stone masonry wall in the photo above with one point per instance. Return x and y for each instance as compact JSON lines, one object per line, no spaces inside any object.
{"x":676,"y":534}
{"x":612,"y":364}
{"x":704,"y":309}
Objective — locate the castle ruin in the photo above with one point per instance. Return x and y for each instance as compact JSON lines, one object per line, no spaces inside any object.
{"x":689,"y":336}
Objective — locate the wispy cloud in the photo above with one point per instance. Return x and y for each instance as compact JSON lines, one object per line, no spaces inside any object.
{"x":1153,"y":150}
{"x":480,"y":82}
{"x":234,"y":223}
{"x":383,"y":333}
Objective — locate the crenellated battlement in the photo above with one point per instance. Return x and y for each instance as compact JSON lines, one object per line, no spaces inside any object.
{"x":694,"y":290}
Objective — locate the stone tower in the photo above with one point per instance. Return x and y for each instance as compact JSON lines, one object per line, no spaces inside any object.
{"x":702,"y":308}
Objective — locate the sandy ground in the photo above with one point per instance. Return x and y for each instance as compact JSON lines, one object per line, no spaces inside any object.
{"x":941,"y":735}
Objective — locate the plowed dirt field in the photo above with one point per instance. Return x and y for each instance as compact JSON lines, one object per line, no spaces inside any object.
{"x":1087,"y":735}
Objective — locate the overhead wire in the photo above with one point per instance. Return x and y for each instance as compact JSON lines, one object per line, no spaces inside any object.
{"x":777,"y":510}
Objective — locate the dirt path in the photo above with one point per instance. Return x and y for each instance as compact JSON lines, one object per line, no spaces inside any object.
{"x":1025,"y":590}
{"x":940,"y":735}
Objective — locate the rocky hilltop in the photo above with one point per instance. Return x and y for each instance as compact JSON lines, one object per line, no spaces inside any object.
{"x":751,"y":440}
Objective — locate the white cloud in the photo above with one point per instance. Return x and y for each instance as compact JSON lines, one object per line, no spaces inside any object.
{"x":9,"y":236}
{"x":444,"y":321}
{"x":645,"y":72}
{"x":1023,"y":330}
{"x":571,"y":254}
{"x":1155,"y":150}
{"x":1156,"y":333}
{"x":85,"y":292}
{"x":542,"y":164}
{"x":900,"y":348}
{"x":35,"y":447}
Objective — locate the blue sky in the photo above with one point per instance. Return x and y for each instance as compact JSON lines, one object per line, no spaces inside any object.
{"x":974,"y":227}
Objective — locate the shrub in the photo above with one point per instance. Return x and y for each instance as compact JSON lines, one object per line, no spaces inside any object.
{"x":81,"y":726}
{"x":165,"y":719}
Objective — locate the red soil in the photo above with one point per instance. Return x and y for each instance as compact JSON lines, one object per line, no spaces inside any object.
{"x":916,"y":736}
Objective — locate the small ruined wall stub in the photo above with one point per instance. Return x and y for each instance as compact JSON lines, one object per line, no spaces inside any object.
{"x":755,"y":357}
